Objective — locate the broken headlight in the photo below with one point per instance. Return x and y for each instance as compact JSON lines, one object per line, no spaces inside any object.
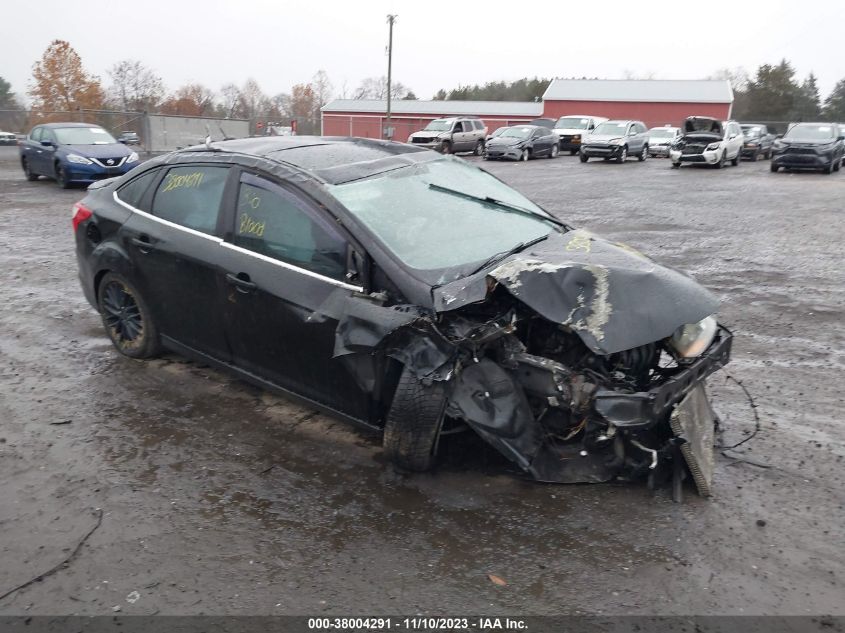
{"x":713,"y":147}
{"x":692,"y":339}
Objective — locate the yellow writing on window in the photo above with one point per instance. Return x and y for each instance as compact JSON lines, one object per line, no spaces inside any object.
{"x":251,"y":226}
{"x":186,"y":181}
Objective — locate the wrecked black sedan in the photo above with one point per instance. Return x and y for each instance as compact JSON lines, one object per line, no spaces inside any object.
{"x":409,"y":291}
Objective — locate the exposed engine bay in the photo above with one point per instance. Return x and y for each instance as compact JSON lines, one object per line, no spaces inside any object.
{"x":561,"y":361}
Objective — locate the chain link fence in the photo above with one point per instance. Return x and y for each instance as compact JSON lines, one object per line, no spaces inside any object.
{"x":158,"y":132}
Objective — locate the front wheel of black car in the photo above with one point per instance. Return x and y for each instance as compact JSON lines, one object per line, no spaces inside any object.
{"x":127,"y":318}
{"x":30,"y":176}
{"x":773,"y":168}
{"x":413,"y":422}
{"x":584,"y":157}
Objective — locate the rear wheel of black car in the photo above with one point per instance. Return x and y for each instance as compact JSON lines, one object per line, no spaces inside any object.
{"x":61,"y":177}
{"x":413,"y":422}
{"x":584,"y":157}
{"x":572,"y":152}
{"x":127,"y":318}
{"x":676,"y":165}
{"x":30,"y":176}
{"x":836,"y":165}
{"x":773,"y":168}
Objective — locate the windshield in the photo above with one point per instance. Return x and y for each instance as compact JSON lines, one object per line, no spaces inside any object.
{"x":417,"y":215}
{"x":612,"y":128}
{"x":572,"y":123}
{"x":498,"y":131}
{"x":661,"y":132}
{"x":83,"y":136}
{"x":439,"y":125}
{"x":810,"y":132}
{"x":517,"y":132}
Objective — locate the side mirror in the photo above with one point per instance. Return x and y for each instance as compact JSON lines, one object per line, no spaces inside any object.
{"x":46,"y":143}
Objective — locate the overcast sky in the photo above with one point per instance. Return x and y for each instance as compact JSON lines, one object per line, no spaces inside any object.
{"x":437,"y":44}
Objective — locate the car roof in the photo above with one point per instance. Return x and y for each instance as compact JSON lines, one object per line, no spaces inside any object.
{"x":332,"y":159}
{"x":69,"y":124}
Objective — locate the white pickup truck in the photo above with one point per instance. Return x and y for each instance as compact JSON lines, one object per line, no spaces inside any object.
{"x":572,"y":128}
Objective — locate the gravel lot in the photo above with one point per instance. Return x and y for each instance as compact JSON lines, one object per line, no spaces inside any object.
{"x":217,"y":498}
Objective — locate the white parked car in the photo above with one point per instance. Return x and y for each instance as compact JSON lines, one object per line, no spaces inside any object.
{"x":660,"y":139}
{"x":572,"y":128}
{"x":708,"y":141}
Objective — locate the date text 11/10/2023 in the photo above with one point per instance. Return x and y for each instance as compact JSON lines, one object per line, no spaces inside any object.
{"x":417,"y":623}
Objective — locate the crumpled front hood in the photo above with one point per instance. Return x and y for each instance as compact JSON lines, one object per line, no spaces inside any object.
{"x":612,"y":296}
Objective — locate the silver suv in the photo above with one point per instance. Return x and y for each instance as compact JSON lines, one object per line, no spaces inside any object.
{"x":455,"y":134}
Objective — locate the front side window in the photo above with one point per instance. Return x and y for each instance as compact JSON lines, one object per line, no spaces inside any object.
{"x":35,"y":135}
{"x":274,"y":222}
{"x":190,"y":196}
{"x":443,"y":214}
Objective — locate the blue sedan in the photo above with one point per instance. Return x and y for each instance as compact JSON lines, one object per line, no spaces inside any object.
{"x":74,"y":153}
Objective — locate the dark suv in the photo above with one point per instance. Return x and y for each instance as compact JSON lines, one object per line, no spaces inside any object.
{"x":809,"y":146}
{"x":758,"y":141}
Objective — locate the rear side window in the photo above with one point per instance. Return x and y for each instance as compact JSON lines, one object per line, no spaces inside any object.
{"x":132,"y":193}
{"x":190,"y":196}
{"x":274,"y":222}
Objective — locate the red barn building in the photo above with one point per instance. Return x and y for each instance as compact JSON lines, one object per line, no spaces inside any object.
{"x":367,"y":117}
{"x":652,"y":101}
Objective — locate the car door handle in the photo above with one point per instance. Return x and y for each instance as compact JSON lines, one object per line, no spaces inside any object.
{"x":241,"y":282}
{"x":143,"y":243}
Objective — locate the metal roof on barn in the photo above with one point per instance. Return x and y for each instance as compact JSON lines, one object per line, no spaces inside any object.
{"x":437,"y":108}
{"x":645,"y":90}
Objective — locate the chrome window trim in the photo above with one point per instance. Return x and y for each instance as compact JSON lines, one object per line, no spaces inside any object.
{"x":240,"y":249}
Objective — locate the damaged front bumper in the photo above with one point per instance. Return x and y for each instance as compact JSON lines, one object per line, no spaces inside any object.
{"x":646,"y":408}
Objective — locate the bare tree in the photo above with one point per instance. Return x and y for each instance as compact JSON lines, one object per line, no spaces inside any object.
{"x":252,"y":99}
{"x":630,"y":74}
{"x":376,"y":88}
{"x":231,"y":97}
{"x":737,"y":76}
{"x":134,"y":87}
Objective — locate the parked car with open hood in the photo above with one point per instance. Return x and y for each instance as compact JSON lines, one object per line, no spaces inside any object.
{"x":455,"y":134}
{"x":708,"y":141}
{"x":522,"y":142}
{"x":572,"y":128}
{"x":74,"y":153}
{"x":660,"y":139}
{"x":616,"y":140}
{"x":809,"y":146}
{"x":409,"y":291}
{"x":757,"y":141}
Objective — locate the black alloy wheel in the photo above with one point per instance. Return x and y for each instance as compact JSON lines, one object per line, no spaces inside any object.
{"x":127,"y":319}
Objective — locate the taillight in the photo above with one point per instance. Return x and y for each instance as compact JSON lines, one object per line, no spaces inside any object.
{"x":80,"y":214}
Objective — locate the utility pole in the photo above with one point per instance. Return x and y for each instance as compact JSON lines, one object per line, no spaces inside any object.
{"x":390,"y":20}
